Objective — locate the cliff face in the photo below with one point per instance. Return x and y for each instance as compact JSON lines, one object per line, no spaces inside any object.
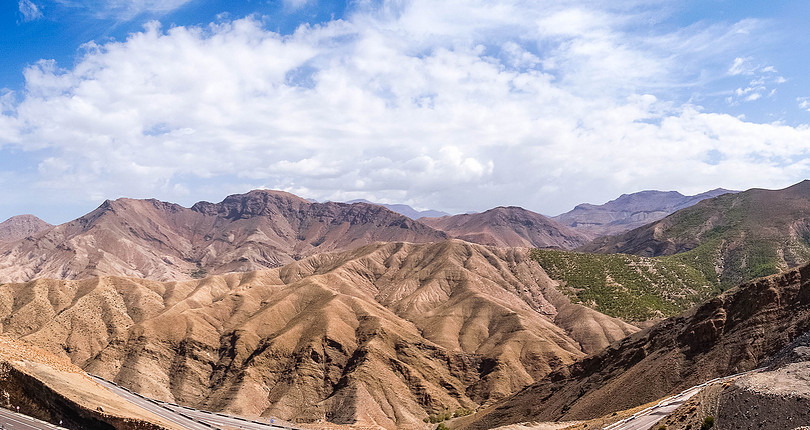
{"x":725,"y":335}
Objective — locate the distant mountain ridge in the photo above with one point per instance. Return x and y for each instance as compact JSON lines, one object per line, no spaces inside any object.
{"x":406,"y":210}
{"x":509,"y":226}
{"x":629,"y":211}
{"x":21,"y":226}
{"x":165,"y":241}
{"x":731,"y":238}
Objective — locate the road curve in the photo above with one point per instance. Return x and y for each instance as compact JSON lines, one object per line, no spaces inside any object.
{"x":188,"y":418}
{"x":10,"y":420}
{"x":646,"y":418}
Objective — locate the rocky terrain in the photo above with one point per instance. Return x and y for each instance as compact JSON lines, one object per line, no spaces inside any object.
{"x":731,"y":238}
{"x":629,"y":211}
{"x":50,"y":388}
{"x":508,"y":226}
{"x":164,"y":241}
{"x":775,"y":399}
{"x":731,"y":333}
{"x":21,"y":226}
{"x":384,"y":335}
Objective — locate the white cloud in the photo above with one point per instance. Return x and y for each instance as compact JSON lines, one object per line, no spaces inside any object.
{"x":29,"y":10}
{"x":467,"y":107}
{"x":125,"y":10}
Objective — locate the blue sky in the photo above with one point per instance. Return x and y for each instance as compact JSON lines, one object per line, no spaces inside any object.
{"x":452,"y":105}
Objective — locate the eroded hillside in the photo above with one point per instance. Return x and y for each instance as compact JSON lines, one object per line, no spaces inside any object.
{"x":386,"y":335}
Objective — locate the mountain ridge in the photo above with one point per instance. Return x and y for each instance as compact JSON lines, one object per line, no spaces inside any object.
{"x":629,"y":211}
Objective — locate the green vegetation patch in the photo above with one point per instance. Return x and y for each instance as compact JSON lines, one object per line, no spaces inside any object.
{"x":627,"y":286}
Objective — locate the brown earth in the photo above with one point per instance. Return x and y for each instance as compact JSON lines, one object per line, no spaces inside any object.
{"x":164,"y":241}
{"x":725,"y":335}
{"x":50,"y":388}
{"x":384,"y":335}
{"x":21,"y":226}
{"x":509,"y":226}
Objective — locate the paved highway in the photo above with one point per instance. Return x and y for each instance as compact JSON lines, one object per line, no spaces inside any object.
{"x":154,"y":407}
{"x":13,"y":421}
{"x":189,"y":418}
{"x":646,"y":418}
{"x":227,"y":421}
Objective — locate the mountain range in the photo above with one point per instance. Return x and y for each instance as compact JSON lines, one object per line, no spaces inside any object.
{"x":267,"y":304}
{"x":629,"y":211}
{"x":731,"y":238}
{"x":356,"y":337}
{"x":406,"y":210}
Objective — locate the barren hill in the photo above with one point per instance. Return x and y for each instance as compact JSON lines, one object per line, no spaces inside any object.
{"x":629,"y":211}
{"x":508,"y":226}
{"x":386,"y":334}
{"x":21,"y":226}
{"x":731,"y":333}
{"x":733,"y":237}
{"x":164,"y":241}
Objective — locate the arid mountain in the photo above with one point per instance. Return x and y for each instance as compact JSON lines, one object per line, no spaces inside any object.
{"x":51,"y":389}
{"x":164,"y":241}
{"x":405,"y":210}
{"x":733,"y":237}
{"x":384,"y":335}
{"x":21,"y":226}
{"x":731,"y":333}
{"x":508,"y":226}
{"x":629,"y":211}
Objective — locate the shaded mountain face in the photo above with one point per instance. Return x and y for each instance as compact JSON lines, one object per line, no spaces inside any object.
{"x":629,"y":211}
{"x":164,"y":241}
{"x":384,"y":335}
{"x":48,"y":387}
{"x":405,"y":210}
{"x":732,"y":238}
{"x":731,"y":333}
{"x":508,"y":226}
{"x":21,"y":226}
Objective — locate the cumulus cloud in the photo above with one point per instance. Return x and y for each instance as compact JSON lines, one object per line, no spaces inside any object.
{"x":29,"y":10}
{"x":467,"y":107}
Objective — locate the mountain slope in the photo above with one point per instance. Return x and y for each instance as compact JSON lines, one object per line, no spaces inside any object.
{"x":732,"y":238}
{"x":629,"y":211}
{"x":165,"y":241}
{"x":731,"y":333}
{"x":627,"y":286}
{"x":508,"y":226}
{"x":21,"y":226}
{"x":386,"y":334}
